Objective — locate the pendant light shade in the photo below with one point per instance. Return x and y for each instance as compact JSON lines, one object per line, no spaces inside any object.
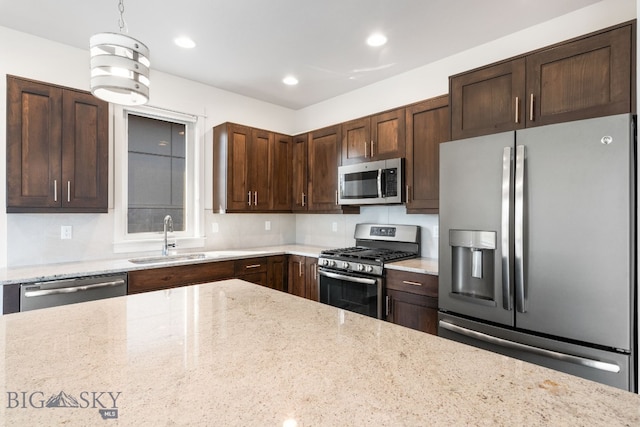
{"x":119,"y":69}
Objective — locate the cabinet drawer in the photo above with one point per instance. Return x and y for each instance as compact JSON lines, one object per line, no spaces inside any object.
{"x":416,"y":283}
{"x":170,"y":277}
{"x":250,"y":266}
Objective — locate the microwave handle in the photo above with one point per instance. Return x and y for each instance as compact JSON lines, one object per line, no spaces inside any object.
{"x":381,"y":183}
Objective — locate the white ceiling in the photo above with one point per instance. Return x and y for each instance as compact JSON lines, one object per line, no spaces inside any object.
{"x":248,"y":46}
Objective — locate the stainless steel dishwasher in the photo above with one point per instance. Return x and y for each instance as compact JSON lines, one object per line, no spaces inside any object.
{"x":69,"y":291}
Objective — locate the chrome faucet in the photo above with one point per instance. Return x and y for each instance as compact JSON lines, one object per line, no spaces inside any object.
{"x":168,"y":227}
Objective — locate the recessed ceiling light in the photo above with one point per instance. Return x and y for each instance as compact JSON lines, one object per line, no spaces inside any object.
{"x":184,"y":42}
{"x":376,"y":39}
{"x":290,"y":81}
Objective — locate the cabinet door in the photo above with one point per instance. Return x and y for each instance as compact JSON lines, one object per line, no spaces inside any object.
{"x":324,"y":159}
{"x":238,"y":146}
{"x":281,"y":173}
{"x":297,"y":275}
{"x":259,"y":181}
{"x":388,"y":135}
{"x":182,"y":275}
{"x":413,"y":311}
{"x":85,"y":152}
{"x":299,"y":194}
{"x":488,"y":100}
{"x":312,"y":289}
{"x":34,"y":138}
{"x":427,"y":126}
{"x":277,"y":267}
{"x":589,"y":77}
{"x":356,"y":141}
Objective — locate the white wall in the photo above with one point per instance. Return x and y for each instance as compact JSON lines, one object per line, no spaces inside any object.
{"x":32,"y":239}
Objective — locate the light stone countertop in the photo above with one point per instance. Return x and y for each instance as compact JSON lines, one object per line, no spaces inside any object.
{"x":232,"y":353}
{"x":58,"y":271}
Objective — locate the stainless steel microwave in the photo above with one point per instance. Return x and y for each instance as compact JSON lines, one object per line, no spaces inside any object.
{"x":371,"y":183}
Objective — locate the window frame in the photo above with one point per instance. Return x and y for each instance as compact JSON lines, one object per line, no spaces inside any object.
{"x":193,"y":234}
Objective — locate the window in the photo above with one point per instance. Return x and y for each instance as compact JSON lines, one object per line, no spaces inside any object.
{"x":156,"y":174}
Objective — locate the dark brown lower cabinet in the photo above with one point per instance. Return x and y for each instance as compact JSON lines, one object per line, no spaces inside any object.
{"x":252,"y":270}
{"x":154,"y":279}
{"x":412,"y":300}
{"x":277,"y":267}
{"x":303,"y":277}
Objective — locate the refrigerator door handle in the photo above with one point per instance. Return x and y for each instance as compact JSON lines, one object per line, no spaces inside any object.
{"x":577,"y":360}
{"x":519,"y":229}
{"x":507,"y":170}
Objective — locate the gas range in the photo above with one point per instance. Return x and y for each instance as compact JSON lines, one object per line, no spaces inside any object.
{"x":376,"y":244}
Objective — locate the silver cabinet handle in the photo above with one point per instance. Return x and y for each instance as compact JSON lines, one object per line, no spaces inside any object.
{"x":365,"y":149}
{"x":517,"y":110}
{"x":407,"y":193}
{"x":577,"y":360}
{"x":300,"y":269}
{"x":531,"y":108}
{"x":255,"y":198}
{"x":387,"y":306}
{"x":55,"y":190}
{"x":519,"y":229}
{"x":371,"y":152}
{"x":249,"y":198}
{"x":71,"y":289}
{"x":247,"y":267}
{"x":505,"y":229}
{"x":68,"y":191}
{"x":336,"y":197}
{"x":409,"y":282}
{"x":303,"y":201}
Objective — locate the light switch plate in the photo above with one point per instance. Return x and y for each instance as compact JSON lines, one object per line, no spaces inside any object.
{"x":267,"y":225}
{"x":215,"y":228}
{"x":334,"y":227}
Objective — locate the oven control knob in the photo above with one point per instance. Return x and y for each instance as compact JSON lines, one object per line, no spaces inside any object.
{"x":332,"y":263}
{"x":324,"y":261}
{"x":360,"y":267}
{"x":369,"y":268}
{"x":345,"y":265}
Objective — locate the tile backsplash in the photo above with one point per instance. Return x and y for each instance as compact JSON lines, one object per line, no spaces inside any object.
{"x":35,"y":238}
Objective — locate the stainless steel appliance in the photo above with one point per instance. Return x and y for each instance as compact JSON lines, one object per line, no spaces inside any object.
{"x":538,"y":246}
{"x":369,"y":183}
{"x":353,"y":278}
{"x":68,"y":291}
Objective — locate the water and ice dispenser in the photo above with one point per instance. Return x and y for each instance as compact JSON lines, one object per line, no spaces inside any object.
{"x":472,"y":262}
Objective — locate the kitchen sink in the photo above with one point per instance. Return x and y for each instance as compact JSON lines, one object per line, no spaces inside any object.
{"x":168,"y":258}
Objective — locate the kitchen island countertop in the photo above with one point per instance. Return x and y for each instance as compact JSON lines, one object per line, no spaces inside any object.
{"x":233,"y":353}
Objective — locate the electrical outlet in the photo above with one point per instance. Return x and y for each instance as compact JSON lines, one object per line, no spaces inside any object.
{"x":334,"y":227}
{"x":267,"y":225}
{"x":215,"y":228}
{"x":66,"y":232}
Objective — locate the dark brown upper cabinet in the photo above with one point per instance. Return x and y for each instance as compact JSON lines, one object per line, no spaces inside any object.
{"x":587,"y":77}
{"x":251,"y":169}
{"x":427,"y":127}
{"x":377,"y":137}
{"x":299,"y":191}
{"x":57,"y":149}
{"x":322,"y":169}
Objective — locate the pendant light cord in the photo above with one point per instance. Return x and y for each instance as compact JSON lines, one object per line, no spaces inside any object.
{"x":121,"y":22}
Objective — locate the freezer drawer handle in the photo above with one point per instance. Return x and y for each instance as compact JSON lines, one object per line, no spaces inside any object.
{"x":72,"y":289}
{"x":582,"y":361}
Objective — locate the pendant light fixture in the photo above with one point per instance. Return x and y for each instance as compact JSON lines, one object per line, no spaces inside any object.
{"x":119,"y":66}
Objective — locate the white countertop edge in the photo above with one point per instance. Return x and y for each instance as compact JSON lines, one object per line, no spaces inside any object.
{"x":47,"y":272}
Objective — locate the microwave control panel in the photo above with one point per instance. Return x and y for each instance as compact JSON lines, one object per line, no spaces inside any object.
{"x":391,"y":182}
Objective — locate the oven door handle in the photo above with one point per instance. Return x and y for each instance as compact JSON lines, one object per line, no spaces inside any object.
{"x":338,"y":276}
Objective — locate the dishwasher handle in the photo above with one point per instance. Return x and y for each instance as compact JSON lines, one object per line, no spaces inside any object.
{"x":72,"y":289}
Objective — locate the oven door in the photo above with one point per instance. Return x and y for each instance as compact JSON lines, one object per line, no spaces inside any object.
{"x":360,"y":294}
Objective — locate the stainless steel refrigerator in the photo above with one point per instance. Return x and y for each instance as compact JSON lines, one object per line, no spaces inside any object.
{"x":537,"y":246}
